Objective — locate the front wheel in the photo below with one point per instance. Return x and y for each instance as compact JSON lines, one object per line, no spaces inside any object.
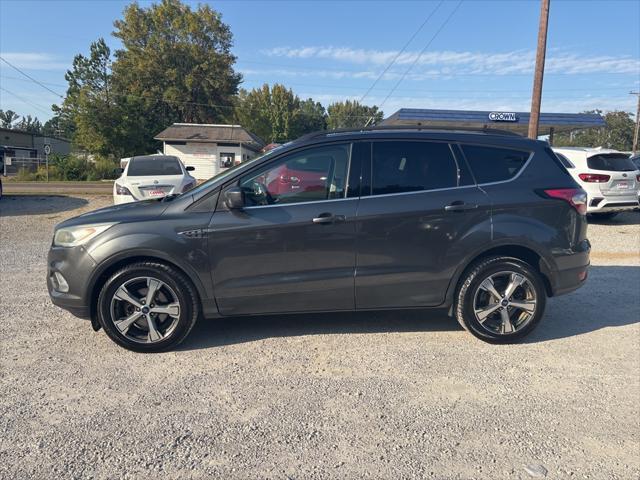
{"x":500,"y":299}
{"x":147,"y":307}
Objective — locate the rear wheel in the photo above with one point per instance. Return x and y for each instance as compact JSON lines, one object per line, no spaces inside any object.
{"x":147,"y":307}
{"x":500,"y":299}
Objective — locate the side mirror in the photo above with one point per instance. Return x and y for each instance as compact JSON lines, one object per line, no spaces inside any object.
{"x":234,"y":198}
{"x":118,"y":171}
{"x":190,"y":169}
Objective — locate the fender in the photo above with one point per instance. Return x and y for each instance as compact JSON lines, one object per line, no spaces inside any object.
{"x":507,"y":233}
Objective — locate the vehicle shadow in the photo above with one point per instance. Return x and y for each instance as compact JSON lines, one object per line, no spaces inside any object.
{"x":19,"y":205}
{"x":625,"y":218}
{"x":605,"y":301}
{"x":232,"y":330}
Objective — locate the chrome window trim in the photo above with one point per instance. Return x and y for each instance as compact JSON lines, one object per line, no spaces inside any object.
{"x":301,"y":203}
{"x":419,"y":191}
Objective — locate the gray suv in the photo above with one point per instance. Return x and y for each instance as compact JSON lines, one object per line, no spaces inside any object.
{"x":483,"y":223}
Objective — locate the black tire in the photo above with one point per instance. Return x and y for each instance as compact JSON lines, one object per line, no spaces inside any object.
{"x":604,"y":215}
{"x":468,"y":290}
{"x":171,"y":278}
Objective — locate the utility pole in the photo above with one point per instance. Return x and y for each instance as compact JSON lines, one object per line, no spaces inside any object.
{"x":637,"y":132}
{"x":536,"y":97}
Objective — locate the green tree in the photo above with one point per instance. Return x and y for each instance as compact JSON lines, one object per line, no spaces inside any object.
{"x":7,"y":117}
{"x":276,"y":114}
{"x":352,"y":114}
{"x":29,"y":124}
{"x":617,"y":133}
{"x":90,"y":104}
{"x":310,"y":117}
{"x":176,"y":62}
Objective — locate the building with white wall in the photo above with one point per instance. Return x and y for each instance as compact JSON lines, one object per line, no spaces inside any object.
{"x":209,"y":148}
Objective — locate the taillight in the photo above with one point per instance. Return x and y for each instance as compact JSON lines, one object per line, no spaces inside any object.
{"x":188,"y":186}
{"x":289,"y":179}
{"x":638,"y":178}
{"x":594,"y":177}
{"x":121,"y":190}
{"x":576,"y":197}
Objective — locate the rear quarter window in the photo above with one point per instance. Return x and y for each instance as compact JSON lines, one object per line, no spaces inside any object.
{"x":611,"y":162}
{"x":494,"y":164}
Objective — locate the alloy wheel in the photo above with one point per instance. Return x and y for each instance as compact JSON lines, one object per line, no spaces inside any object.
{"x":145,"y":310}
{"x":505,"y":302}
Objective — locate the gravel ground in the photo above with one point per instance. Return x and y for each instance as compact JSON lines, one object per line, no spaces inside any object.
{"x":385,"y":395}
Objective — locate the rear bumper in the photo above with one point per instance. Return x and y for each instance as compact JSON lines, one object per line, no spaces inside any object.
{"x":119,"y":199}
{"x":611,"y":203}
{"x":572,"y":269}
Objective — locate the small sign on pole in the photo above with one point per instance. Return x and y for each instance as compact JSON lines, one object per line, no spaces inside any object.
{"x":47,"y":151}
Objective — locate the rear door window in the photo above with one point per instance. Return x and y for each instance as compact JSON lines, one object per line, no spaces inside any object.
{"x":612,"y":162}
{"x":401,"y":166}
{"x":494,"y":164}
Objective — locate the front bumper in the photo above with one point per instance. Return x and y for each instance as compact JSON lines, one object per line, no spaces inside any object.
{"x":76,"y":266}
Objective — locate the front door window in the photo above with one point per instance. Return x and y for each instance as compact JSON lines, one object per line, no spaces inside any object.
{"x":310,"y":175}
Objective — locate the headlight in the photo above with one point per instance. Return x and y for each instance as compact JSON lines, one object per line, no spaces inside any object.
{"x":78,"y":235}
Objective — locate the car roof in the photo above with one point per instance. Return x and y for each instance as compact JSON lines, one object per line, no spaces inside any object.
{"x":490,"y":136}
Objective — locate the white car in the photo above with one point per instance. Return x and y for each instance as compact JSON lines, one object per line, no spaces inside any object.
{"x":609,"y":177}
{"x":152,"y":176}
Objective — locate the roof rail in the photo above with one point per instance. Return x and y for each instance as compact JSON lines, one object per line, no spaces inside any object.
{"x":374,"y":128}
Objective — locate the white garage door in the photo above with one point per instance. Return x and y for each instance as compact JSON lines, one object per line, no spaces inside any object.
{"x":201,"y":156}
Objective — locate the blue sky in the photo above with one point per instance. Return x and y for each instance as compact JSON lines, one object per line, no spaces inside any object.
{"x":482,"y":58}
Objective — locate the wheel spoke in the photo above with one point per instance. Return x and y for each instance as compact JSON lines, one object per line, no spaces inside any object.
{"x":172,"y":309}
{"x":489,"y":286}
{"x":154,"y":334}
{"x":123,"y":294}
{"x":483,"y":313}
{"x":527,"y":306}
{"x":154,"y":285}
{"x":125,"y":324}
{"x":516,"y":281}
{"x":507,"y":326}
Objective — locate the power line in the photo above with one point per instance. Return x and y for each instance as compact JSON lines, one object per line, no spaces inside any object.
{"x":401,"y":51}
{"x":30,"y":77}
{"x":9,"y":77}
{"x":444,"y":24}
{"x":25,"y":101}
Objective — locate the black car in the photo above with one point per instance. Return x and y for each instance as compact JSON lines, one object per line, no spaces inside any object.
{"x":485,"y":224}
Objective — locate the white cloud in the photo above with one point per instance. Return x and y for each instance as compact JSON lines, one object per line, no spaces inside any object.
{"x":479,"y":63}
{"x":522,"y":104}
{"x":33,"y":61}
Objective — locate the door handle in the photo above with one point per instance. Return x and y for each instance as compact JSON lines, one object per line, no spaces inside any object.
{"x":460,"y":206}
{"x":328,"y":218}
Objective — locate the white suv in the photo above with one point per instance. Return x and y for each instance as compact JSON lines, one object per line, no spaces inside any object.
{"x":152,"y":176}
{"x":609,"y":177}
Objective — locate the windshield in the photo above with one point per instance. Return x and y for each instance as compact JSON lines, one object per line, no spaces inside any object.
{"x":615,"y":162}
{"x":153,"y":166}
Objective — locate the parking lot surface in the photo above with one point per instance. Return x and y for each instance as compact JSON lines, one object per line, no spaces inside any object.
{"x":405,"y":394}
